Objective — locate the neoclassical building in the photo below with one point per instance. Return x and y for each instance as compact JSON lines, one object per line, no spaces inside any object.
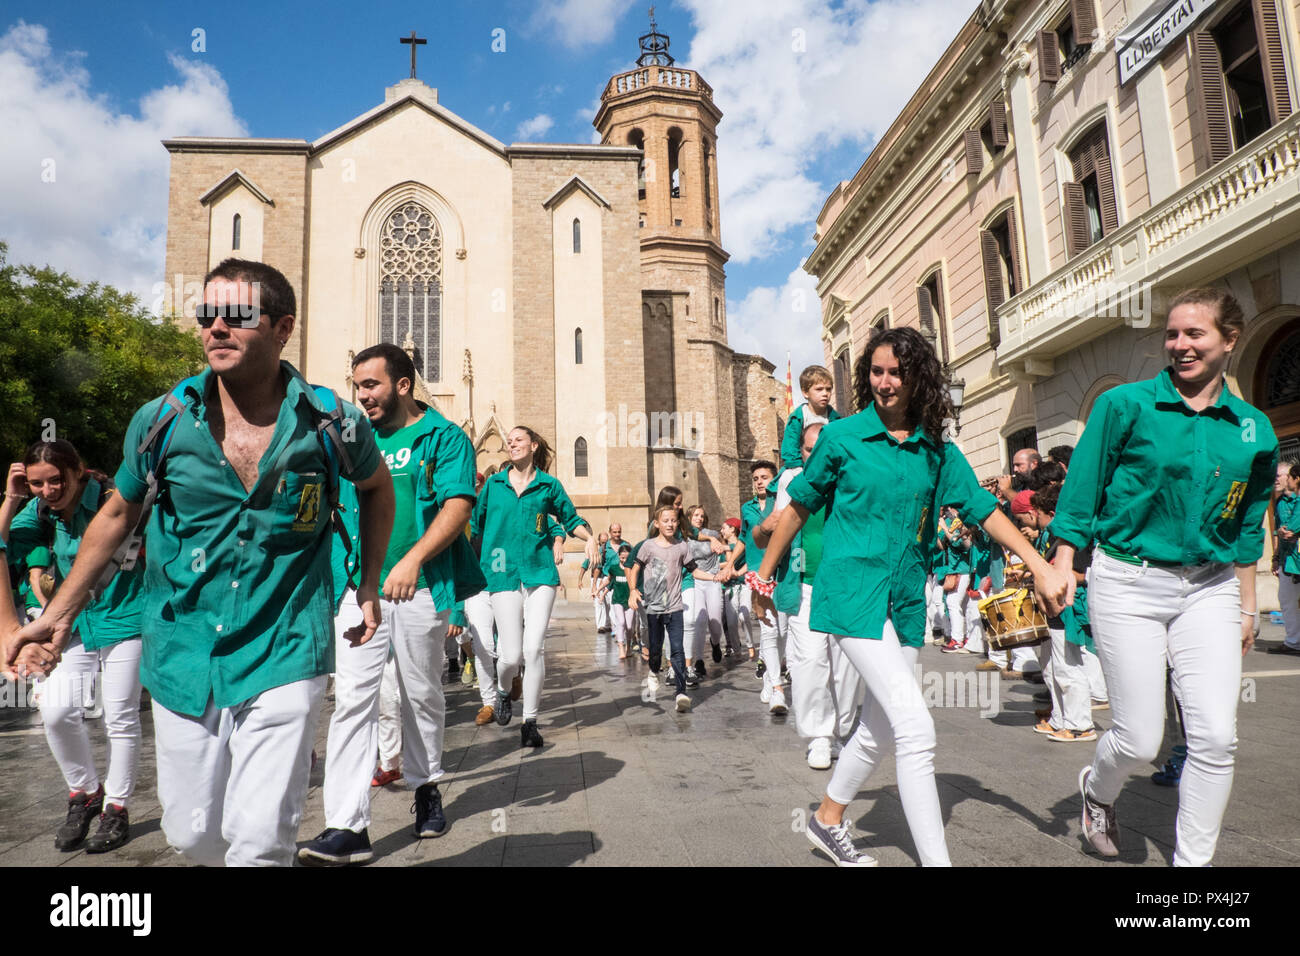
{"x":577,"y":289}
{"x":1065,"y":168}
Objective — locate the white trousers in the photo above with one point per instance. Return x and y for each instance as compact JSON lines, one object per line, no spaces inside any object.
{"x":956,"y":600}
{"x":1096,"y":679}
{"x":771,"y":644}
{"x":478,"y":614}
{"x":522,"y":617}
{"x":737,"y":602}
{"x":624,"y":622}
{"x":69,"y":690}
{"x":826,"y":689}
{"x":1191,"y":617}
{"x":1066,"y":680}
{"x":416,"y":631}
{"x":893,"y":711}
{"x":707,"y":607}
{"x":936,"y":610}
{"x":390,"y":717}
{"x":1288,"y":595}
{"x":974,"y":624}
{"x":233,"y":782}
{"x":601,"y":608}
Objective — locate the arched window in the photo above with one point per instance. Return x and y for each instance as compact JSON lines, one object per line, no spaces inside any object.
{"x":410,"y":286}
{"x":580,"y":458}
{"x":577,"y":346}
{"x":234,"y":232}
{"x":577,"y":236}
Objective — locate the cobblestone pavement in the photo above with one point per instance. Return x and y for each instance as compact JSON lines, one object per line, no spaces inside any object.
{"x":626,"y":781}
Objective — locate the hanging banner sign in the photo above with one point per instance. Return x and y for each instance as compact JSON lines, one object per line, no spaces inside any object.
{"x":1142,"y":42}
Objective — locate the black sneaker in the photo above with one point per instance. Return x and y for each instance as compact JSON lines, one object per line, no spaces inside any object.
{"x":692,"y":678}
{"x":701,"y":669}
{"x":760,"y":670}
{"x":430,"y":821}
{"x":83,"y":808}
{"x":504,"y":708}
{"x":717,"y":653}
{"x":785,"y":676}
{"x":113,"y":830}
{"x":336,"y":848}
{"x":453,"y":671}
{"x":529,"y":737}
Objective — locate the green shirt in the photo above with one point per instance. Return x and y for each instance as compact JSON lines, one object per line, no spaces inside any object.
{"x":237,"y":584}
{"x":1157,"y":481}
{"x":1287,"y":515}
{"x":883,"y":496}
{"x":405,"y":469}
{"x":792,"y":437}
{"x":618,"y":589}
{"x":116,"y":615}
{"x":515,"y":530}
{"x":38,"y":558}
{"x":751,"y":516}
{"x":444,"y":461}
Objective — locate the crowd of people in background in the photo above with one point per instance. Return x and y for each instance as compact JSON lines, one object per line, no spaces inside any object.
{"x":870,"y":538}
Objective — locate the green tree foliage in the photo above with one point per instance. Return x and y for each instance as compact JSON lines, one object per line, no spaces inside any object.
{"x":85,"y":356}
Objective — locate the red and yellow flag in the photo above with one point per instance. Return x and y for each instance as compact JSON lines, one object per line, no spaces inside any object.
{"x":789,"y":387}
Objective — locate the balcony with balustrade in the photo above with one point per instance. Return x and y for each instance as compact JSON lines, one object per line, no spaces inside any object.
{"x":1241,"y":209}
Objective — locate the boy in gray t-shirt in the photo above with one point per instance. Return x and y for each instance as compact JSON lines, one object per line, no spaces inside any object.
{"x":657,"y":567}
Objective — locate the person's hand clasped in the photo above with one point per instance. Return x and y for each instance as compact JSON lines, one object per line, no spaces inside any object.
{"x":1054,"y":589}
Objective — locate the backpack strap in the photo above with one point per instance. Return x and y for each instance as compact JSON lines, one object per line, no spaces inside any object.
{"x":154,"y":447}
{"x":329,"y":430}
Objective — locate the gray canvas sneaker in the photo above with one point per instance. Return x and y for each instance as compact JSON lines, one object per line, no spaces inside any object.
{"x":836,"y":843}
{"x":1099,"y":824}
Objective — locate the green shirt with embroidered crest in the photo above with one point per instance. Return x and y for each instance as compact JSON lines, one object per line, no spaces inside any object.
{"x":238,"y":583}
{"x":1154,"y":480}
{"x":876,"y":546}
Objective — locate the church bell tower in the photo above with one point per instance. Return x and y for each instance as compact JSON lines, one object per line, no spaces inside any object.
{"x":668,"y":113}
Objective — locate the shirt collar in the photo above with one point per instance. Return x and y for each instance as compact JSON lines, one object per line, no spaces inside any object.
{"x":870,"y":426}
{"x":296,"y":388}
{"x":1225,"y":406}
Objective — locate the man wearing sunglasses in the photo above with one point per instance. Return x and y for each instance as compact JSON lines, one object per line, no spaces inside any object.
{"x":238,"y":635}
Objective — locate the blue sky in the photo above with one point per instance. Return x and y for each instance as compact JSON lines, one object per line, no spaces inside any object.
{"x":805,"y":88}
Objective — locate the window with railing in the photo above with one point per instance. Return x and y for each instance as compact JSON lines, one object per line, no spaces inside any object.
{"x":1089,"y":205}
{"x":1239,"y":78}
{"x":1064,"y":45}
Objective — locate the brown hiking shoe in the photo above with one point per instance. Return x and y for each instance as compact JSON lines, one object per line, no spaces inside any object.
{"x":517,"y":687}
{"x":485,"y":716}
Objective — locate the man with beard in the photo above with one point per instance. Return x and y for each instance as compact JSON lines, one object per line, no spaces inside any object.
{"x":237,"y":638}
{"x":427,"y":569}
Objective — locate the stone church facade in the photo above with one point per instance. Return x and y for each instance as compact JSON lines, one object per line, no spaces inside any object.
{"x":576,"y":289}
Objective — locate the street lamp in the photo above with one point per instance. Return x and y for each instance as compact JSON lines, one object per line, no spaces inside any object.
{"x":956,"y":395}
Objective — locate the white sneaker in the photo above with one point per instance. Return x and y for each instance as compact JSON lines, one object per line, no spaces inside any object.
{"x":765,"y":694}
{"x":683,"y":703}
{"x":819,"y":753}
{"x":777,"y":708}
{"x":652,"y":681}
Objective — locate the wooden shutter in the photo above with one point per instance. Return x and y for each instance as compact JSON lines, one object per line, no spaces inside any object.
{"x":1269,"y":33}
{"x":1077,"y":234}
{"x":994,"y":289}
{"x":974,"y":152}
{"x":926,"y":309}
{"x":1084,"y":17}
{"x":1212,"y":98}
{"x":1105,"y":185}
{"x":998,"y":121}
{"x":1049,"y":57}
{"x":1013,"y":246}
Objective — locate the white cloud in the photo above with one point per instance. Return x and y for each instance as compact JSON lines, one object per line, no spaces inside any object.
{"x":579,"y":23}
{"x":770,"y":321}
{"x":534,"y":128}
{"x":783,"y":106}
{"x":103,"y":216}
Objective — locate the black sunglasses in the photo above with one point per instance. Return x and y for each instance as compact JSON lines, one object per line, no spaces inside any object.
{"x":235,"y":316}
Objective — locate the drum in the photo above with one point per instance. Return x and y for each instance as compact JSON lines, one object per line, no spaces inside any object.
{"x":1012,"y":619}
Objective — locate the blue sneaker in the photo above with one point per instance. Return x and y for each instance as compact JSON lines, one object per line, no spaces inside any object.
{"x":430,"y":821}
{"x":336,"y":848}
{"x":1172,"y":771}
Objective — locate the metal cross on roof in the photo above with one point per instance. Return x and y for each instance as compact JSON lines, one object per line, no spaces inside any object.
{"x":414,"y":41}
